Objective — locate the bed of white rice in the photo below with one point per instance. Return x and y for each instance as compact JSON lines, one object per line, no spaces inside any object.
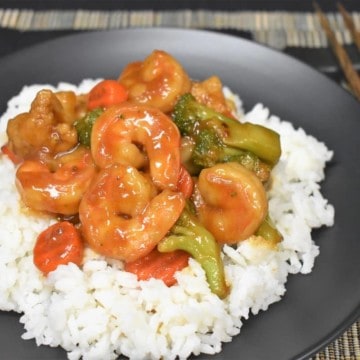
{"x":100,"y":311}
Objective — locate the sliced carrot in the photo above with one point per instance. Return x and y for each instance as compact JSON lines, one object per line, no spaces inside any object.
{"x":162,"y":266}
{"x":57,"y":245}
{"x":5,"y":149}
{"x":185,"y":182}
{"x":106,"y":93}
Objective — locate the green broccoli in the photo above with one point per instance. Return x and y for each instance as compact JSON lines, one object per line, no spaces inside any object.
{"x":84,"y":126}
{"x":268,"y":231}
{"x":189,"y":235}
{"x":218,"y":138}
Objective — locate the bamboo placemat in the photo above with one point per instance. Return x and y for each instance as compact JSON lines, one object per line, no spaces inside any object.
{"x":277,"y":29}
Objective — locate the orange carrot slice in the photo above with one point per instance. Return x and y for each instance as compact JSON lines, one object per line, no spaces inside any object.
{"x":57,"y":245}
{"x":106,"y":93}
{"x":159,"y":265}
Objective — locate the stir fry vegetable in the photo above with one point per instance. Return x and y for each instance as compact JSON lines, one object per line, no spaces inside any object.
{"x":218,"y":138}
{"x":190,"y":235}
{"x":85,"y":124}
{"x":159,"y":265}
{"x":268,"y":231}
{"x":106,"y":93}
{"x":59,"y":244}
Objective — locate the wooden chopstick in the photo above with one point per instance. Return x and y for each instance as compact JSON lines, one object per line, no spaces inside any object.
{"x":350,"y":25}
{"x":341,"y":54}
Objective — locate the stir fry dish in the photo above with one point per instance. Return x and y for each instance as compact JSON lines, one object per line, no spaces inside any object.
{"x":150,"y":168}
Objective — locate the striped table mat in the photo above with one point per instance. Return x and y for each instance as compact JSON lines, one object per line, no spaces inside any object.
{"x":277,"y":29}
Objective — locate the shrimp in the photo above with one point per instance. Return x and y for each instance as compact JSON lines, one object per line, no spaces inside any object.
{"x":231,"y":203}
{"x":157,"y":81}
{"x":120,"y":133}
{"x":120,"y":216}
{"x":46,"y":127}
{"x":56,"y":185}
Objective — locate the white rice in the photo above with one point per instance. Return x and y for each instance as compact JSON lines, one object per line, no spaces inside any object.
{"x":101,"y":311}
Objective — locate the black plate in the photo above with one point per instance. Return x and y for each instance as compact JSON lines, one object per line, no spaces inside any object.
{"x":317,"y":307}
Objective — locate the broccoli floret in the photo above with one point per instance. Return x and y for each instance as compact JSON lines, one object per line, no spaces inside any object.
{"x":84,"y":126}
{"x":218,"y":138}
{"x":189,"y":235}
{"x":209,"y":150}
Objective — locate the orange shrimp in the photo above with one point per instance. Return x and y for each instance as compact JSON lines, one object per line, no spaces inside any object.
{"x":120,"y":216}
{"x":157,"y":81}
{"x":122,"y":132}
{"x":232,"y":202}
{"x":56,"y":185}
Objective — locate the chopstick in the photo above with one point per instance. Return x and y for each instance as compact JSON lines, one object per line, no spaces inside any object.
{"x":340,"y":53}
{"x":350,"y":25}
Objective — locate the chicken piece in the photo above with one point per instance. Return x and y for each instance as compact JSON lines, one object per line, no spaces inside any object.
{"x":47,"y":127}
{"x":210,"y":93}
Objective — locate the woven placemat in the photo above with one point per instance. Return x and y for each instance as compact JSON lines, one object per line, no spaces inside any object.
{"x":346,"y":347}
{"x":277,"y":29}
